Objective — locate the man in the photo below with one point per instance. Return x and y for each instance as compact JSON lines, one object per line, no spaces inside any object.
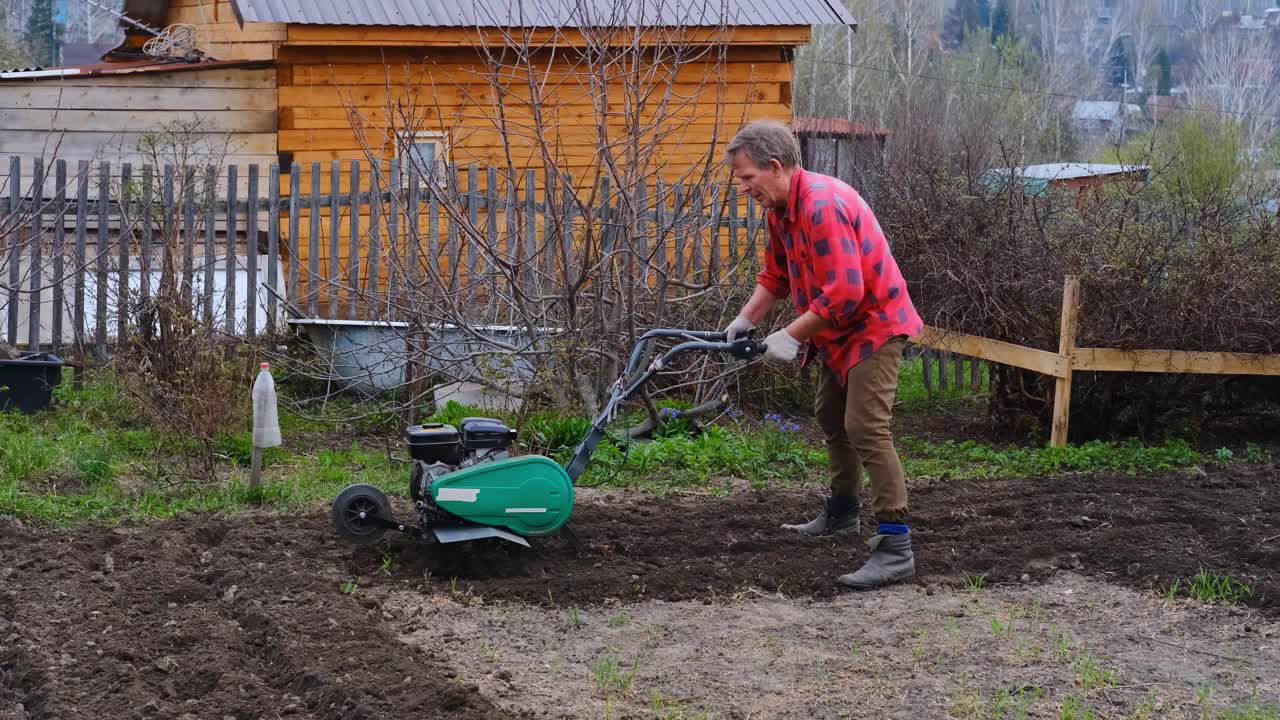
{"x":827,"y":253}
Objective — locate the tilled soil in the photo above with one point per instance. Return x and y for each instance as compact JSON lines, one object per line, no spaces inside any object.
{"x":246,"y":617}
{"x":1145,"y":532}
{"x":204,"y":618}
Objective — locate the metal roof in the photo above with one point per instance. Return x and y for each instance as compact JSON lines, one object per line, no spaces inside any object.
{"x":1072,"y":171}
{"x":834,"y":126}
{"x":545,"y":13}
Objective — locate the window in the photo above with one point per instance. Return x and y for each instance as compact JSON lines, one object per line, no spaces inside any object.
{"x":426,"y":155}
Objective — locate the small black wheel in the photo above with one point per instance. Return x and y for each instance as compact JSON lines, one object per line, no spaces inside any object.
{"x":353,"y":508}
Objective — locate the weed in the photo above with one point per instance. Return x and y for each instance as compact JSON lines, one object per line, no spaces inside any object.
{"x":1091,"y":673}
{"x":388,"y":561}
{"x":608,"y":674}
{"x":1001,"y":630}
{"x":664,"y":709}
{"x":975,"y":583}
{"x":492,"y":654}
{"x":575,"y":618}
{"x":620,"y":619}
{"x":653,"y":631}
{"x":349,"y":587}
{"x":1252,"y":711}
{"x":1075,"y":708}
{"x":1209,"y":587}
{"x":1062,"y":644}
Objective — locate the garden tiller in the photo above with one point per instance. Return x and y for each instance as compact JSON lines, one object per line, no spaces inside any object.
{"x":467,"y":486}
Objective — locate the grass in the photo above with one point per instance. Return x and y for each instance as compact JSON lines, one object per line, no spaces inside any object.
{"x":88,"y":460}
{"x":1210,"y":587}
{"x":609,"y":676}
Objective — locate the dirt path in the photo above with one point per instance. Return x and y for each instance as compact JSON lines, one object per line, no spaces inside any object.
{"x":245,"y":618}
{"x":900,"y":654}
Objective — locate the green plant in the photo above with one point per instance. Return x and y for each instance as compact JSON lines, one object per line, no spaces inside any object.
{"x":608,"y":674}
{"x":1075,"y":708}
{"x":349,"y":587}
{"x":975,"y":583}
{"x":620,"y":619}
{"x":1209,"y":587}
{"x":575,"y":618}
{"x":1256,"y":454}
{"x":1224,"y":455}
{"x":1092,"y":674}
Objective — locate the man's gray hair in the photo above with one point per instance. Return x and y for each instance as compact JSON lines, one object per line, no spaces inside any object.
{"x":766,"y":140}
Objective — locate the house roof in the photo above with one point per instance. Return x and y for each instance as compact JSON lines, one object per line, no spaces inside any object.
{"x":1100,"y":109}
{"x":544,"y":13}
{"x":832,"y":126}
{"x":1073,"y":171}
{"x":123,"y":68}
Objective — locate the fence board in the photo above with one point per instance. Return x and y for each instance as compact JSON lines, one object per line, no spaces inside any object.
{"x":313,"y":254}
{"x":15,"y":244}
{"x":148,"y":231}
{"x":251,"y":257}
{"x":473,"y":215}
{"x":374,"y":270}
{"x":82,"y":217}
{"x":295,"y":185}
{"x":100,"y":252}
{"x":433,"y":236}
{"x":210,"y":239}
{"x":37,"y":242}
{"x":549,"y":251}
{"x":353,"y":257}
{"x":491,"y":233}
{"x":455,"y":252}
{"x":393,"y":243}
{"x":233,"y":191}
{"x":332,"y":294}
{"x":59,"y":259}
{"x":413,"y":219}
{"x":189,"y":220}
{"x":273,"y":245}
{"x":123,"y":240}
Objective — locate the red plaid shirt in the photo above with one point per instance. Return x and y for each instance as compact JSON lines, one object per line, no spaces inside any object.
{"x":826,"y":251}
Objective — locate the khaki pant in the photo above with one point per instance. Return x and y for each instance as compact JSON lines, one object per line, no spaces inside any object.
{"x":855,"y":419}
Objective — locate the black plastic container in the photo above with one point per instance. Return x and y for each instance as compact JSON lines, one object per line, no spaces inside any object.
{"x":27,"y":383}
{"x":434,"y":442}
{"x":486,"y":434}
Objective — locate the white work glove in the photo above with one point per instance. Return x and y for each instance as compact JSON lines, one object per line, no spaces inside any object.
{"x":781,"y":348}
{"x":739,"y":326}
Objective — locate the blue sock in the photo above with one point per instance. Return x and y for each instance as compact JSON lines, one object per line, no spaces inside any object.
{"x":894,"y":529}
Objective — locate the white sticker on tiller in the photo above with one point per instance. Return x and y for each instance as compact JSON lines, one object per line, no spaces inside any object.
{"x":526,"y":510}
{"x":467,"y":495}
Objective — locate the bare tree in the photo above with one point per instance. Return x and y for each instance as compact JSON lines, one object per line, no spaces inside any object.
{"x":580,"y":230}
{"x":1235,"y":75}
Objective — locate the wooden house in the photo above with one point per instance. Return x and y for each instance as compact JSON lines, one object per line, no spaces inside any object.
{"x":323,"y":88}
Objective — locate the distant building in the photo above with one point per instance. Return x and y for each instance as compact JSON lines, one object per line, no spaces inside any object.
{"x":1105,"y":119}
{"x":1084,"y":178}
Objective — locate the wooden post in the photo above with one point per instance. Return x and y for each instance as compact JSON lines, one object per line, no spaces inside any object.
{"x":255,"y":469}
{"x":1066,"y":348}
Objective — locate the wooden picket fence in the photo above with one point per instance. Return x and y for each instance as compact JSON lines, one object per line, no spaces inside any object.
{"x":81,"y":254}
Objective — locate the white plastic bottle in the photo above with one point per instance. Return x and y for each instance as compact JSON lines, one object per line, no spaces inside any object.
{"x":266,"y":421}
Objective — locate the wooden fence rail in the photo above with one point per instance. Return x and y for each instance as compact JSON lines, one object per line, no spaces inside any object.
{"x":1070,"y":358}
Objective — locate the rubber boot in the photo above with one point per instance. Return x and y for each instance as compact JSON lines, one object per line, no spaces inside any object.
{"x":891,"y":561}
{"x":839,"y":514}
